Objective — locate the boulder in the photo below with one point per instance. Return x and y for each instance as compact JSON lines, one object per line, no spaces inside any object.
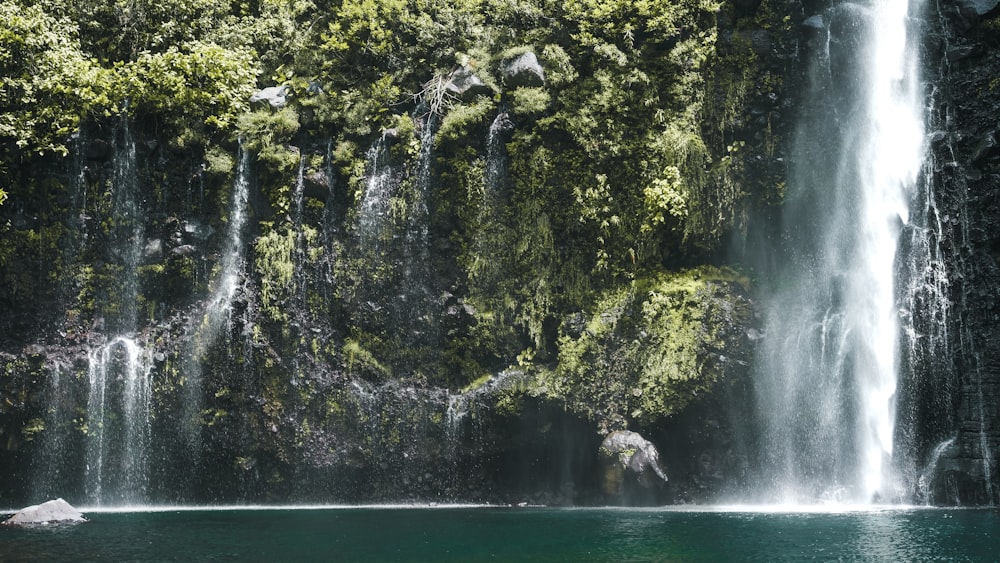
{"x":466,"y":86}
{"x":978,"y":7}
{"x":275,"y":96}
{"x":523,"y":70}
{"x":625,"y":453}
{"x":55,"y":511}
{"x":965,"y":14}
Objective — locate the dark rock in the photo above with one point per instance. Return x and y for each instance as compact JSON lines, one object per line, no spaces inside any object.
{"x":747,"y":7}
{"x":965,"y":14}
{"x":523,"y":70}
{"x":573,"y":325}
{"x":97,"y":149}
{"x":978,"y":7}
{"x":466,"y":86}
{"x":197,"y":230}
{"x":985,"y":148}
{"x":55,"y":511}
{"x":274,"y":96}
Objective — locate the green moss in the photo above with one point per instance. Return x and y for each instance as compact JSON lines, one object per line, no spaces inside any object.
{"x":219,"y":161}
{"x":461,"y":118}
{"x":652,"y":347}
{"x":33,"y":428}
{"x":529,"y":101}
{"x":359,"y":361}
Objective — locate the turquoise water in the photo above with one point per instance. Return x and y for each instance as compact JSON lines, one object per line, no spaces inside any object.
{"x":510,"y":534}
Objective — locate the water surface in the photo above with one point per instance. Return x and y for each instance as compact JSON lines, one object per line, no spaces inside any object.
{"x":507,"y":534}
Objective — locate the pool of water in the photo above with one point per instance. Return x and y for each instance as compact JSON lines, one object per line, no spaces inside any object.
{"x":511,"y":533}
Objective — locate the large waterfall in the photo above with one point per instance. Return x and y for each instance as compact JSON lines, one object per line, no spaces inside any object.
{"x":827,"y":378}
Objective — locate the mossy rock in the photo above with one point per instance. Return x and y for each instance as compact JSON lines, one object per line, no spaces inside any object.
{"x":651,"y":348}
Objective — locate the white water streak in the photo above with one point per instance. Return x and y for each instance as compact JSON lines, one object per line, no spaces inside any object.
{"x":889,"y":166}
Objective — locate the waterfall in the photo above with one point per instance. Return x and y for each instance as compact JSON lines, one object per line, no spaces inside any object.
{"x":118,"y":423}
{"x":207,"y":329}
{"x":416,"y":304}
{"x":50,"y":467}
{"x":495,"y":173}
{"x":298,"y":201}
{"x":381,"y":180}
{"x":827,"y":376}
{"x":128,"y":234}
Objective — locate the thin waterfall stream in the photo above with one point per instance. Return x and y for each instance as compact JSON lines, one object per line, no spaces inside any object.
{"x":209,"y":327}
{"x":827,"y":376}
{"x":118,"y":405}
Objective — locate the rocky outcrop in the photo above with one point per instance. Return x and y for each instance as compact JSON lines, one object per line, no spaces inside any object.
{"x":523,"y":70}
{"x":274,"y":96}
{"x":953,"y":400}
{"x":629,"y":459}
{"x":466,"y":86}
{"x":55,"y":511}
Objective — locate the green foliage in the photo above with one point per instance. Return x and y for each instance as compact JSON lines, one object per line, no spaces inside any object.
{"x":268,"y":132}
{"x":275,"y":264}
{"x":47,"y":83}
{"x":529,"y":101}
{"x":651,"y":347}
{"x":196,"y":81}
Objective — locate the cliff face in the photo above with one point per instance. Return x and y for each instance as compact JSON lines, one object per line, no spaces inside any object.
{"x":451,"y":254}
{"x":960,"y":417}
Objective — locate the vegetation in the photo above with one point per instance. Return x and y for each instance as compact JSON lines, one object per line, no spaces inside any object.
{"x":619,"y":178}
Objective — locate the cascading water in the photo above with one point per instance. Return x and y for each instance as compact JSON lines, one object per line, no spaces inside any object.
{"x":217,"y":313}
{"x":826,"y":379}
{"x":128,"y":234}
{"x":381,"y":181}
{"x":118,"y":422}
{"x":495,"y":174}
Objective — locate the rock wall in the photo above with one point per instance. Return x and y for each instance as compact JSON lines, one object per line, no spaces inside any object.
{"x":482,"y":352}
{"x":966,"y":177}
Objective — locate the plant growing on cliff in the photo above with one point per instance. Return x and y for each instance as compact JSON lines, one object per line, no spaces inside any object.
{"x":652,"y":347}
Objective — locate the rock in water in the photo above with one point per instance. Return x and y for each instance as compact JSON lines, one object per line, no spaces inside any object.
{"x":623,"y":452}
{"x":52,"y":512}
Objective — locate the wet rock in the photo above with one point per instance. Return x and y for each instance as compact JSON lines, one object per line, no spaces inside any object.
{"x":986,"y":147}
{"x":747,"y":7}
{"x":55,"y":511}
{"x":629,"y":459}
{"x":523,"y":70}
{"x":965,"y":14}
{"x":814,"y":23}
{"x":184,"y":250}
{"x":574,"y":324}
{"x":978,"y":7}
{"x":274,"y":96}
{"x":466,"y":86}
{"x":197,"y":230}
{"x":153,"y":250}
{"x":97,"y":149}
